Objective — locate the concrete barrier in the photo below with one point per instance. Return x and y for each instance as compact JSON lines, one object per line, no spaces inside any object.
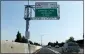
{"x":14,"y":47}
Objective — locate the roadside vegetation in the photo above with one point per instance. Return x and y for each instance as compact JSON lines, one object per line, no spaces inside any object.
{"x":71,"y":39}
{"x":22,"y":39}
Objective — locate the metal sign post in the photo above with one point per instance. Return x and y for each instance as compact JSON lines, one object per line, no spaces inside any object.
{"x":27,"y":18}
{"x":27,"y":24}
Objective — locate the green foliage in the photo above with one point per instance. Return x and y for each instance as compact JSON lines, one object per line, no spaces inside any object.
{"x":61,"y":44}
{"x":24,"y":40}
{"x":18,"y":37}
{"x":36,"y":44}
{"x":49,"y":43}
{"x":30,"y":42}
{"x":21,"y":39}
{"x":53,"y":44}
{"x":56,"y":43}
{"x":80,"y":43}
{"x":71,"y":39}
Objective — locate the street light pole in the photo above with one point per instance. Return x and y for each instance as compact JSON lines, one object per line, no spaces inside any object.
{"x":41,"y":39}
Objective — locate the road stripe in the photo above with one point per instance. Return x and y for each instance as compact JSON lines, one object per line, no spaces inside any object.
{"x":54,"y":51}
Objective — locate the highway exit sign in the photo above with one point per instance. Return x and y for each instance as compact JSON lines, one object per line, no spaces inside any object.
{"x":46,"y":13}
{"x":46,"y":9}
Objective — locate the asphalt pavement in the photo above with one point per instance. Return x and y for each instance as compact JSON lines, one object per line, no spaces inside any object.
{"x":53,"y":50}
{"x":46,"y":50}
{"x":57,"y":49}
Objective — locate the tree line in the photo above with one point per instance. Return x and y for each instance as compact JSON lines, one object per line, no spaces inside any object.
{"x":71,"y":39}
{"x":55,"y":43}
{"x":22,"y":39}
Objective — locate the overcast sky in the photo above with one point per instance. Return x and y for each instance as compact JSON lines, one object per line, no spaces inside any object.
{"x":70,"y":23}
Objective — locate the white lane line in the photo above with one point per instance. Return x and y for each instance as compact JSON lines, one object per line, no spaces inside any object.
{"x":53,"y":50}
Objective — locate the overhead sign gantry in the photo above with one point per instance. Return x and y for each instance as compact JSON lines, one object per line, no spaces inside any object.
{"x":43,"y":11}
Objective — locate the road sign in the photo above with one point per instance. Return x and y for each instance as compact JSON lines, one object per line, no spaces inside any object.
{"x":46,"y":13}
{"x":46,"y":9}
{"x":45,"y":5}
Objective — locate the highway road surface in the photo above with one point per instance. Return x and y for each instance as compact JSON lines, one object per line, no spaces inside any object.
{"x":46,"y":50}
{"x":52,"y":50}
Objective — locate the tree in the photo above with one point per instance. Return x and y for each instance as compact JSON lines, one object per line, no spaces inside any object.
{"x":49,"y":43}
{"x":36,"y":44}
{"x":30,"y":42}
{"x":24,"y":40}
{"x":71,"y":39}
{"x":80,"y":43}
{"x":61,"y":44}
{"x":18,"y":37}
{"x":56,"y":43}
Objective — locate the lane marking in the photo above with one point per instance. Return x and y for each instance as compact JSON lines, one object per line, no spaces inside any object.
{"x":54,"y":51}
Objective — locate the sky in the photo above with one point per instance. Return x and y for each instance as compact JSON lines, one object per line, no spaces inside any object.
{"x":70,"y":23}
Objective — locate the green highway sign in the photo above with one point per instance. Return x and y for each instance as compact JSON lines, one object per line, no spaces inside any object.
{"x":46,"y":12}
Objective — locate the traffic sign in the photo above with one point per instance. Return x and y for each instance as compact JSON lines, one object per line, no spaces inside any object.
{"x":46,"y":13}
{"x":45,"y":5}
{"x":46,"y":9}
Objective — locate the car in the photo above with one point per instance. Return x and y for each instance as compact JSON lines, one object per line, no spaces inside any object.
{"x":49,"y":46}
{"x":70,"y":47}
{"x":56,"y":46}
